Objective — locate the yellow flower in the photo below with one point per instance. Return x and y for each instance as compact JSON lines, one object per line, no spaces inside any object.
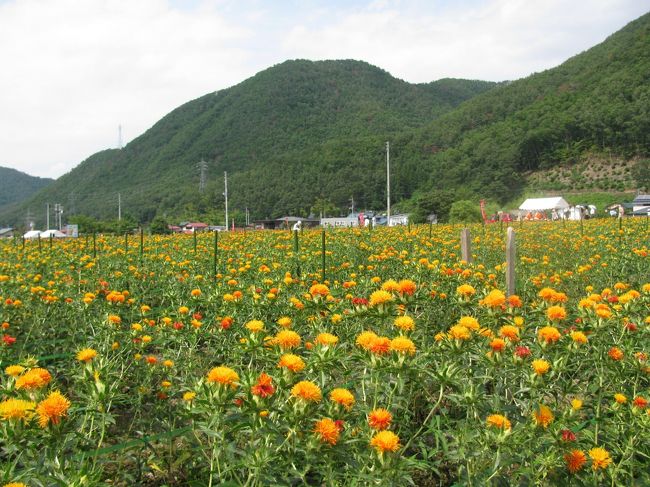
{"x":287,"y":339}
{"x":498,"y":421}
{"x":404,"y":323}
{"x":465,"y":290}
{"x":576,"y":404}
{"x":224,"y":376}
{"x":86,"y":355}
{"x":255,"y":326}
{"x":52,"y":409}
{"x":540,"y":366}
{"x":307,"y":391}
{"x":494,"y":299}
{"x":469,"y":322}
{"x":579,"y":337}
{"x":189,"y":396}
{"x":600,"y":458}
{"x":459,"y":332}
{"x":15,"y":484}
{"x":291,"y":362}
{"x":195,"y":293}
{"x":402,"y":345}
{"x":380,"y":297}
{"x":543,"y":416}
{"x":284,"y":322}
{"x":16,"y":409}
{"x":319,"y":290}
{"x":510,"y":332}
{"x":343,"y":397}
{"x":365,"y":339}
{"x":620,"y":398}
{"x":326,"y":339}
{"x":390,"y":285}
{"x":14,"y":370}
{"x":385,"y":441}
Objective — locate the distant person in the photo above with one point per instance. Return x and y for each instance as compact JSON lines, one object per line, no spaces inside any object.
{"x":296,"y":226}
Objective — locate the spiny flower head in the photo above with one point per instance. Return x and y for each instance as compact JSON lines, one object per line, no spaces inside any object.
{"x":224,"y":376}
{"x":307,"y":391}
{"x":86,"y":355}
{"x":343,"y":397}
{"x":52,"y":409}
{"x":385,"y":441}
{"x":327,"y":431}
{"x":379,"y":419}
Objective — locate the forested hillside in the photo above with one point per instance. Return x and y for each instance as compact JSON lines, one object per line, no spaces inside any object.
{"x":304,"y":132}
{"x":15,"y":186}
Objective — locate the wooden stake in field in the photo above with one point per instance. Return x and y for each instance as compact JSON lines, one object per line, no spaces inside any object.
{"x":194,"y":233}
{"x":216,"y":251}
{"x":295,"y":251}
{"x":94,"y":245}
{"x":126,"y":243}
{"x":323,"y":253}
{"x":465,"y":245}
{"x":510,"y":261}
{"x":141,"y":243}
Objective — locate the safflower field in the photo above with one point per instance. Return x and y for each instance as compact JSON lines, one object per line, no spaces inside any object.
{"x":187,"y":360}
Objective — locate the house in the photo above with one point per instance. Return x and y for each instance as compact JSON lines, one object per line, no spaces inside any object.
{"x":192,"y":227}
{"x":641,"y":205}
{"x":32,"y":234}
{"x":340,"y":222}
{"x":7,"y":232}
{"x":52,"y":233}
{"x":399,"y":219}
{"x":285,"y":222}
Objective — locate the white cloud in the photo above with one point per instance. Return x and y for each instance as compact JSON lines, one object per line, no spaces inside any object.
{"x":72,"y":71}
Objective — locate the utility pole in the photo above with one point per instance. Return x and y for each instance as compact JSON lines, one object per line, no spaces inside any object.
{"x":387,"y":184}
{"x":225,"y":193}
{"x":119,"y":206}
{"x":47,"y":220}
{"x":352,"y":204}
{"x":248,"y":221}
{"x":203,"y":166}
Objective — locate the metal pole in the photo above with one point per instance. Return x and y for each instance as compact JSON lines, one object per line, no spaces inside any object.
{"x":47,"y":224}
{"x":225,"y":179}
{"x":387,"y":184}
{"x":216,"y":251}
{"x":119,"y":206}
{"x":323,"y":253}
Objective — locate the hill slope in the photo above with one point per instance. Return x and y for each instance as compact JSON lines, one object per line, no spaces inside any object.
{"x":304,"y":130}
{"x":282,"y":110}
{"x":16,"y":186}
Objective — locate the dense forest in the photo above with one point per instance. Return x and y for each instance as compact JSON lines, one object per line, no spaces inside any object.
{"x":16,"y":186}
{"x":306,"y":134}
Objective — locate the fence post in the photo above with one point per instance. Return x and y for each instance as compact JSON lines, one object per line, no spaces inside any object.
{"x":323,"y":253}
{"x":295,"y":251}
{"x":194,"y":233}
{"x":465,"y":245}
{"x":216,"y":251}
{"x":511,"y":252}
{"x":94,"y":245}
{"x":141,"y":243}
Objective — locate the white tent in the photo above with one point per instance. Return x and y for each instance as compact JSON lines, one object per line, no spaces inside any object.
{"x":52,"y":233}
{"x":540,"y":204}
{"x":32,"y":234}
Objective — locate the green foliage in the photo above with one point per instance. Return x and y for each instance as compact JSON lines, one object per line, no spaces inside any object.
{"x":641,"y":174}
{"x":16,"y":186}
{"x":323,"y":206}
{"x":465,"y":211}
{"x":159,"y":226}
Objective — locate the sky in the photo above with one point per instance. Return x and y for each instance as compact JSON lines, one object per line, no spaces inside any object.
{"x":73,"y":71}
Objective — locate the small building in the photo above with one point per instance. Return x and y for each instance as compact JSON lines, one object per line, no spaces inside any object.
{"x":32,"y":234}
{"x":194,"y":227}
{"x":7,"y":232}
{"x":399,"y":219}
{"x":641,"y":205}
{"x":340,"y":222}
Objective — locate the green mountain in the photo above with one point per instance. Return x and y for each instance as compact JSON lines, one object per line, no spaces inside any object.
{"x":302,"y":132}
{"x":16,"y":186}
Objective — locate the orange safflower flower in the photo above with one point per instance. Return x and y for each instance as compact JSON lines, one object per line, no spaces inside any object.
{"x":620,"y":398}
{"x":390,"y":285}
{"x":343,"y":397}
{"x":291,"y":362}
{"x":407,"y":287}
{"x":498,"y":421}
{"x":548,"y":334}
{"x":515,"y":301}
{"x":224,"y":376}
{"x":494,"y":299}
{"x":319,"y":290}
{"x":459,"y":332}
{"x":16,"y":409}
{"x":33,"y":379}
{"x":498,"y":345}
{"x":327,"y":431}
{"x":14,"y":370}
{"x":575,"y":460}
{"x":365,"y":339}
{"x":615,"y":353}
{"x":465,"y":290}
{"x":255,"y":326}
{"x":640,"y":402}
{"x":510,"y":332}
{"x":307,"y":391}
{"x":385,"y":441}
{"x":52,"y":409}
{"x":326,"y":339}
{"x":287,"y":339}
{"x":380,"y":345}
{"x":556,"y":313}
{"x":379,"y":419}
{"x":264,"y":386}
{"x":469,"y":322}
{"x":579,"y":337}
